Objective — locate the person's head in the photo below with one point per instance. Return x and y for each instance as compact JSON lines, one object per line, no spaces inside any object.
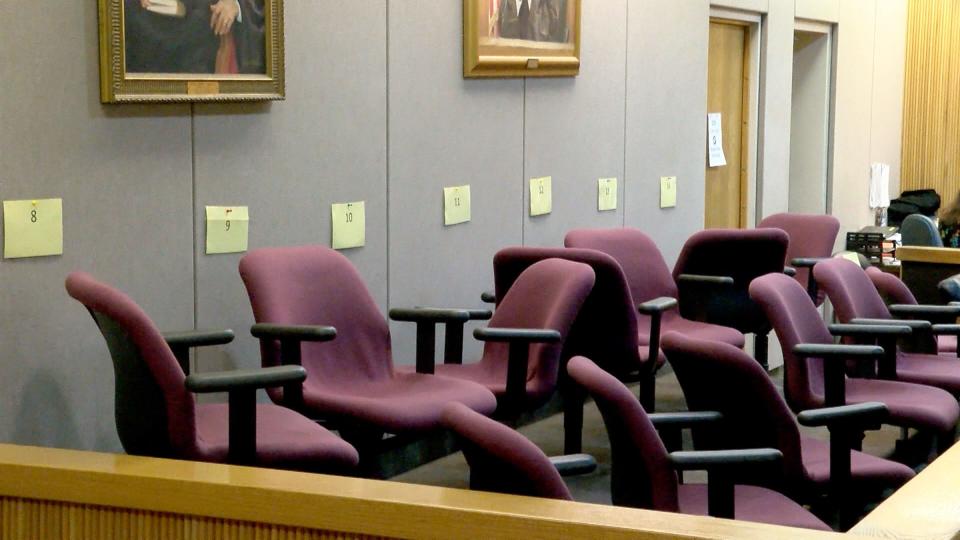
{"x":951,"y":214}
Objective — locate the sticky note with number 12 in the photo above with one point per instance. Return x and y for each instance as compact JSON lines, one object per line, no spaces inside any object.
{"x":349,"y":225}
{"x":456,"y":205}
{"x":227,"y":229}
{"x":541,"y":196}
{"x":32,"y":228}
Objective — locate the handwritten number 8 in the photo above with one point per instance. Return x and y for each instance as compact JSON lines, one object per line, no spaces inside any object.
{"x":33,"y":216}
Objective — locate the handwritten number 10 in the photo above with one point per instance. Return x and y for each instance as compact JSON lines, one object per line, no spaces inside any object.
{"x":349,"y":217}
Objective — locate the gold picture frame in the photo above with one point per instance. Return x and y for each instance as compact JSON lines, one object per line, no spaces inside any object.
{"x":257,"y":76}
{"x":542,"y":42}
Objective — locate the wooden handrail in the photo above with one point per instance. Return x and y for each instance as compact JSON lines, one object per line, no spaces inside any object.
{"x":51,"y":493}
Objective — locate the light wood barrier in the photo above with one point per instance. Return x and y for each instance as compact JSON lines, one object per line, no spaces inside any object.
{"x":922,"y":268}
{"x":51,"y":493}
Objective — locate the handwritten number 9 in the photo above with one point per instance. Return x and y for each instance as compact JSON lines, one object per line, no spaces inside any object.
{"x":228,"y":224}
{"x":33,"y":216}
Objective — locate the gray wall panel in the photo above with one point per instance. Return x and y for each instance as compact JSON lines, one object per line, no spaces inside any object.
{"x":666,"y":117}
{"x":447,"y":131}
{"x":288,"y":161}
{"x":574,"y":129}
{"x":124,"y":176}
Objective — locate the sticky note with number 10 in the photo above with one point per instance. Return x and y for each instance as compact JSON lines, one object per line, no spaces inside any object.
{"x":456,"y":205}
{"x":541,"y":196}
{"x":32,"y":228}
{"x":349,"y":225}
{"x":227,"y":229}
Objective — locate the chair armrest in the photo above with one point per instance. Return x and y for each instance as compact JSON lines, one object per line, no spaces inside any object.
{"x":684,"y":419}
{"x":721,"y":466}
{"x":835,"y":357}
{"x":181,"y":342}
{"x":914,"y":325}
{"x":293,"y":332}
{"x":869,"y":330}
{"x":844,"y":352}
{"x":924,"y":309}
{"x":790,"y":271}
{"x":226,"y":381}
{"x":657,"y":305}
{"x":480,"y":314}
{"x":806,"y":262}
{"x":517,"y":335}
{"x":433,"y":315}
{"x":488,"y":297}
{"x":858,"y":416}
{"x":946,"y":329}
{"x":705,"y":280}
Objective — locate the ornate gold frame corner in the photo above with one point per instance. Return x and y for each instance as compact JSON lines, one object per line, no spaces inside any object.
{"x":477,"y":65}
{"x":117,"y":86}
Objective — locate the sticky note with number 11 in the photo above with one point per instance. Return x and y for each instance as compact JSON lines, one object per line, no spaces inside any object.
{"x":541,"y":196}
{"x":32,"y":228}
{"x":227,"y":229}
{"x":456,"y":205}
{"x":349,"y":225}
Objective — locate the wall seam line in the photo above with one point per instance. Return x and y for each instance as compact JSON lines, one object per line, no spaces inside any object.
{"x":523,"y":167}
{"x":386,"y":179}
{"x":626,"y":100}
{"x":193,"y":210}
{"x":873,"y":83}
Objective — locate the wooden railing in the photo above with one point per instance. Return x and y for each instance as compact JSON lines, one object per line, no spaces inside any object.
{"x":51,"y":493}
{"x":922,"y":268}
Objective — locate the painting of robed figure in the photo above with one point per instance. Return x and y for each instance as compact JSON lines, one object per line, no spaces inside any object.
{"x":191,"y":50}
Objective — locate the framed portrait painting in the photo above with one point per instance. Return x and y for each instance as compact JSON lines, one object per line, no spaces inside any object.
{"x":191,"y":50}
{"x":521,"y":38}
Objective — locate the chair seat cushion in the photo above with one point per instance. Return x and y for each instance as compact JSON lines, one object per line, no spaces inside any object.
{"x":940,"y":370}
{"x":493,"y":380}
{"x":406,"y":402}
{"x":694,"y":329}
{"x":947,"y":343}
{"x":752,"y":503}
{"x":910,"y":405}
{"x":867,"y":471}
{"x":285,"y":439}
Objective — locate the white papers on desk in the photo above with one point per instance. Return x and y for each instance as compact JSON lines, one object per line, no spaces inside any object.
{"x":879,"y":185}
{"x":170,"y":8}
{"x":715,"y":157}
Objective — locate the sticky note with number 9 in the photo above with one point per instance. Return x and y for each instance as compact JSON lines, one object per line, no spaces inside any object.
{"x":32,"y":228}
{"x":607,"y":196}
{"x":456,"y":205}
{"x":541,"y":196}
{"x":349,"y":225}
{"x":227,"y":229}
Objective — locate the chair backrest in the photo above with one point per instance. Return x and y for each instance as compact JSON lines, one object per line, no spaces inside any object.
{"x":720,"y":377}
{"x":641,"y":475}
{"x":811,"y":235}
{"x":606,"y":327}
{"x":547,"y":295}
{"x":155,"y":414}
{"x":502,"y":460}
{"x":315,"y":285}
{"x":743,"y":254}
{"x":920,"y":230}
{"x":796,"y":320}
{"x":850,"y":290}
{"x":950,"y":288}
{"x":892,"y":288}
{"x":638,"y":255}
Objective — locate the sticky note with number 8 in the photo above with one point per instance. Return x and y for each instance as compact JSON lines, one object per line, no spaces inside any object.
{"x":607,"y":197}
{"x":541,"y":196}
{"x":227,"y":229}
{"x":349,"y":225}
{"x":32,"y":228}
{"x":456,"y":205}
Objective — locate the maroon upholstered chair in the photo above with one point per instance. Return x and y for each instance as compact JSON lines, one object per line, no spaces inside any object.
{"x":896,"y":293}
{"x":156,"y":413}
{"x":643,"y":474}
{"x":815,"y":366}
{"x":812,"y":237}
{"x":756,"y":416}
{"x":296,"y":292}
{"x":652,"y":291}
{"x":714,"y":270}
{"x":502,"y":460}
{"x":856,"y":300}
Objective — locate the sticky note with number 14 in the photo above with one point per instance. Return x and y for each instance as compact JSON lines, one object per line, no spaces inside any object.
{"x":32,"y":228}
{"x":349,"y":225}
{"x":227,"y":229}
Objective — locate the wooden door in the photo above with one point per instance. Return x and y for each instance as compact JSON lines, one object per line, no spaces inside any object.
{"x":728,"y":93}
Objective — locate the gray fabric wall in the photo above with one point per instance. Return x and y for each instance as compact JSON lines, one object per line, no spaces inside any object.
{"x":376,"y":110}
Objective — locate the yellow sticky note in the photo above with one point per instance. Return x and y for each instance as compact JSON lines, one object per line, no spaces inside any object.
{"x":456,"y":205}
{"x":607,"y":197}
{"x":541,"y":196}
{"x":32,"y":228}
{"x":227,"y":229}
{"x":349,"y":225}
{"x":668,"y":191}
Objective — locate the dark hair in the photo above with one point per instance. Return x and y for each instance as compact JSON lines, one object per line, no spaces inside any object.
{"x":951,"y":214}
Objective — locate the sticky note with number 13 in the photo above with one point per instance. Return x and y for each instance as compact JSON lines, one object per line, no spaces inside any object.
{"x":227,"y":229}
{"x":349,"y":225}
{"x":32,"y":228}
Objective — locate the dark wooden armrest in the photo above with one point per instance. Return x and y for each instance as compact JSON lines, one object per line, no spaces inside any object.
{"x":721,"y":466}
{"x":657,"y":305}
{"x":705,"y":280}
{"x":790,"y":271}
{"x":181,"y":342}
{"x":684,"y":419}
{"x":859,"y":416}
{"x":869,"y":330}
{"x":806,"y":262}
{"x":914,"y":310}
{"x":519,"y":340}
{"x":835,"y":357}
{"x":488,"y":297}
{"x":912,"y":324}
{"x":517,"y":335}
{"x":293,"y":332}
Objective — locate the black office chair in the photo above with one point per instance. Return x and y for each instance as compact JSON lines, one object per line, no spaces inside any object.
{"x":920,"y":230}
